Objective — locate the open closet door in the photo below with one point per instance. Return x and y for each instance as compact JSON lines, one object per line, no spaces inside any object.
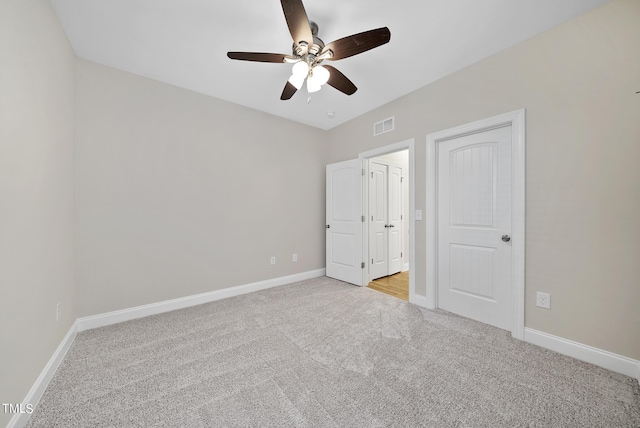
{"x":344,"y":226}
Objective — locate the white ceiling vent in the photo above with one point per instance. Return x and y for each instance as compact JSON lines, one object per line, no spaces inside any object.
{"x":383,"y":126}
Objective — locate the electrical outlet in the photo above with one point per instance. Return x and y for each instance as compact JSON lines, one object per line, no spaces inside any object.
{"x":58,"y":311}
{"x":273,"y":260}
{"x":294,"y":258}
{"x":543,"y":300}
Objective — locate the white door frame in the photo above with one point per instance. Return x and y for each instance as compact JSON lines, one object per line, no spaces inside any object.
{"x":517,"y":121}
{"x":403,"y":145}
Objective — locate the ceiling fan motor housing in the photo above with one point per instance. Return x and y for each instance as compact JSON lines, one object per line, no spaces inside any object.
{"x":315,"y":49}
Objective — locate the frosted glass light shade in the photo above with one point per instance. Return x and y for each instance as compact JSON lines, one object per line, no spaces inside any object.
{"x":300,"y":68}
{"x":297,"y":80}
{"x":321,"y":74}
{"x":313,"y":84}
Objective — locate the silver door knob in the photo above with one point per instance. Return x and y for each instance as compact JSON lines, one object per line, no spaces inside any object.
{"x":506,"y":238}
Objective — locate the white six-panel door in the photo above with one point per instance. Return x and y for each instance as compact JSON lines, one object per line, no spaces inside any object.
{"x":344,"y":221}
{"x":474,"y":224}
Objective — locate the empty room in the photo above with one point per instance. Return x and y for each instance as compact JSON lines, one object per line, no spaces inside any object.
{"x":320,"y":213}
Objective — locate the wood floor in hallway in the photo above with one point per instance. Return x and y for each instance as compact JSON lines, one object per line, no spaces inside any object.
{"x":394,"y":285}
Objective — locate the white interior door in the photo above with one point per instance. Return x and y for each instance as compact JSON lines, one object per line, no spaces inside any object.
{"x":344,"y":259}
{"x":385,"y":219}
{"x":395,"y":219}
{"x":378,"y":226}
{"x":474,"y":212}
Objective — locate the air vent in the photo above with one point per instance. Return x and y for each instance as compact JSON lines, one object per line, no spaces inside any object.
{"x":383,"y":126}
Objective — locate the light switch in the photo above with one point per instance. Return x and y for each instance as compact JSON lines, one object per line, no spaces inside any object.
{"x":418,"y":214}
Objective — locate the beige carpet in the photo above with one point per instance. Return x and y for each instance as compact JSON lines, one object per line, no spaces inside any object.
{"x":323,"y":353}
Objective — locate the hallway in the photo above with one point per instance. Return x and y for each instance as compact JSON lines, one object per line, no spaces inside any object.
{"x":394,"y":285}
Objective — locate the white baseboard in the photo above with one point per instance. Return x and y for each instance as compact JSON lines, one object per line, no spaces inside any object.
{"x":40,"y":385}
{"x":405,"y":267}
{"x":101,"y":320}
{"x":599,"y":357}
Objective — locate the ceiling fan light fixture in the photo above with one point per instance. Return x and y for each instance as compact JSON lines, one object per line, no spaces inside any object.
{"x":308,"y":51}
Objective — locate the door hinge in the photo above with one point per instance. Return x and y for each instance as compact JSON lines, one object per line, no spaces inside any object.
{"x":363,"y":219}
{"x":362,"y":171}
{"x":362,"y":265}
{"x":371,"y":261}
{"x":371,"y":174}
{"x":401,"y":179}
{"x":400,"y":254}
{"x":401,"y":217}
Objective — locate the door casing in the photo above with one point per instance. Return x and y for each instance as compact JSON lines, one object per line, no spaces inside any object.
{"x":517,"y":121}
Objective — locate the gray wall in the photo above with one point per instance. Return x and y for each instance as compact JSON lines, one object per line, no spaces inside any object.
{"x":36,"y":192}
{"x":577,"y":83}
{"x":178,"y":193}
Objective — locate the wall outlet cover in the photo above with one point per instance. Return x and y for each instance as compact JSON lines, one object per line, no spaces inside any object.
{"x":543,"y":300}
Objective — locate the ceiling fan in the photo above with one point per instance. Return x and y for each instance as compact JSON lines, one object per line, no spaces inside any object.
{"x":309,"y":52}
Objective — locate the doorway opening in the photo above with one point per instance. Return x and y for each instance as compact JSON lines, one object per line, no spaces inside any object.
{"x":389,"y":229}
{"x":396,"y":285}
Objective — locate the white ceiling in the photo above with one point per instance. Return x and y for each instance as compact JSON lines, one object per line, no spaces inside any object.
{"x":184,"y":43}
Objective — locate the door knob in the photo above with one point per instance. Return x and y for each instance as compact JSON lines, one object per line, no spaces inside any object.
{"x":386,"y":226}
{"x":506,"y":238}
{"x":328,"y":226}
{"x":391,"y":225}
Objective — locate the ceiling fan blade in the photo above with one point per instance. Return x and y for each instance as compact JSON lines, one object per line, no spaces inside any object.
{"x":288,"y":91}
{"x":297,"y":21}
{"x":340,"y":81}
{"x":257,"y":56}
{"x":358,"y":43}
